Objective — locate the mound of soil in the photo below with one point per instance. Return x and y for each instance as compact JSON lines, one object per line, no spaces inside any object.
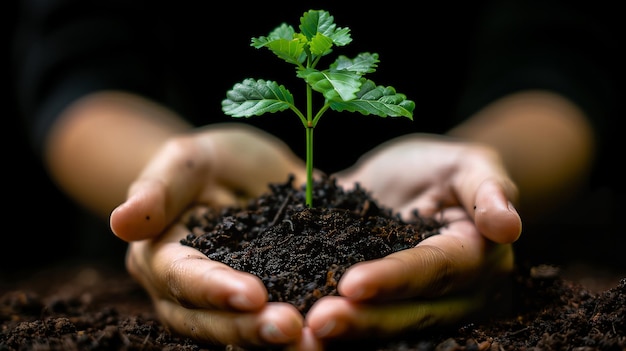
{"x":300,"y":254}
{"x":318,"y":244}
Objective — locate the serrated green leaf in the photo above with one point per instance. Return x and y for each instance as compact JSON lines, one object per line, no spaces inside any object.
{"x":256,"y":97}
{"x":284,"y":43}
{"x":335,"y":85}
{"x":320,"y":45}
{"x":317,"y":21}
{"x":377,"y":100}
{"x":284,"y":31}
{"x":341,"y":36}
{"x":363,"y":63}
{"x":291,"y":51}
{"x":320,"y":21}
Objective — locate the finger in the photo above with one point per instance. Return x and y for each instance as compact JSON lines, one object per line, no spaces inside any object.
{"x":307,"y":342}
{"x":206,"y":299}
{"x":223,"y":166}
{"x":182,"y":274}
{"x":450,"y":261}
{"x":277,"y":323}
{"x":142,"y":215}
{"x":165,"y":188}
{"x":487,"y":193}
{"x":489,"y":202}
{"x":334,"y":316}
{"x":494,"y":214}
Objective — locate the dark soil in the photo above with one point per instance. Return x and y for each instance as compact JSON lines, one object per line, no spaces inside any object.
{"x":90,"y":307}
{"x":318,"y":244}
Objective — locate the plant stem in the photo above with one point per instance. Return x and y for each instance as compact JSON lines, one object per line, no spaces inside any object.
{"x":309,"y":126}
{"x":309,"y":166}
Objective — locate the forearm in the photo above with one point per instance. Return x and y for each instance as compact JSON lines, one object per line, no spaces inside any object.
{"x":546,"y":142}
{"x":100,"y":144}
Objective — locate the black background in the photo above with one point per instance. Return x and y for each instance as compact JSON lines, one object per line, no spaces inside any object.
{"x":37,"y":209}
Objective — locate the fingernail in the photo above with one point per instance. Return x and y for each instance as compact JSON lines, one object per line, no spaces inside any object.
{"x":329,"y":329}
{"x":270,"y":332}
{"x":241,"y":301}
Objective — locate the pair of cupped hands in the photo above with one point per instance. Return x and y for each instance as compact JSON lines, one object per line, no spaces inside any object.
{"x":440,"y":281}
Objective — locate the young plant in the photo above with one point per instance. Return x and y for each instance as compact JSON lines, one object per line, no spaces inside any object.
{"x":342,"y":84}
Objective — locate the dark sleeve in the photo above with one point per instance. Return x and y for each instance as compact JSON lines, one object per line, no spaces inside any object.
{"x":66,"y":49}
{"x":567,"y":47}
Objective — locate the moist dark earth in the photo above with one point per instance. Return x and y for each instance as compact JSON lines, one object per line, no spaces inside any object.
{"x":300,"y":254}
{"x":317,"y":243}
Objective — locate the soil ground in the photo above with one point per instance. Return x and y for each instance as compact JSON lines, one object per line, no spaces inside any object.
{"x":88,"y":306}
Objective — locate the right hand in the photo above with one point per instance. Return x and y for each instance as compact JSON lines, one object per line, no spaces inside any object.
{"x":446,"y":277}
{"x":193,"y":295}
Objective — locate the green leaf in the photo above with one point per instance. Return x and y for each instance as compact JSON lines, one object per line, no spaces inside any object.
{"x":284,"y":43}
{"x":313,"y":22}
{"x":377,"y":100}
{"x":341,"y":37}
{"x":321,"y":32}
{"x":291,"y":51}
{"x":320,"y":45}
{"x":256,"y":97}
{"x":363,"y":63}
{"x":335,"y":85}
{"x":284,"y":31}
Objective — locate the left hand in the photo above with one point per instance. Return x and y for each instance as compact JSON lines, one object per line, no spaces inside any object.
{"x":215,"y":166}
{"x":443,"y":278}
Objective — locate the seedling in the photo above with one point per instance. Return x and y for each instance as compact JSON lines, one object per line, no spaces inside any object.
{"x":342,"y":84}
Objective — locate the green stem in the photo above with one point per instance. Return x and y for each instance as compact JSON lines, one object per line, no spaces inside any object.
{"x":310,"y":124}
{"x":309,"y":166}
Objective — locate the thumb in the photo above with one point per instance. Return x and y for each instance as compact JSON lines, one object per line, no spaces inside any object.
{"x":142,"y":215}
{"x":494,"y":214}
{"x":164,"y":190}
